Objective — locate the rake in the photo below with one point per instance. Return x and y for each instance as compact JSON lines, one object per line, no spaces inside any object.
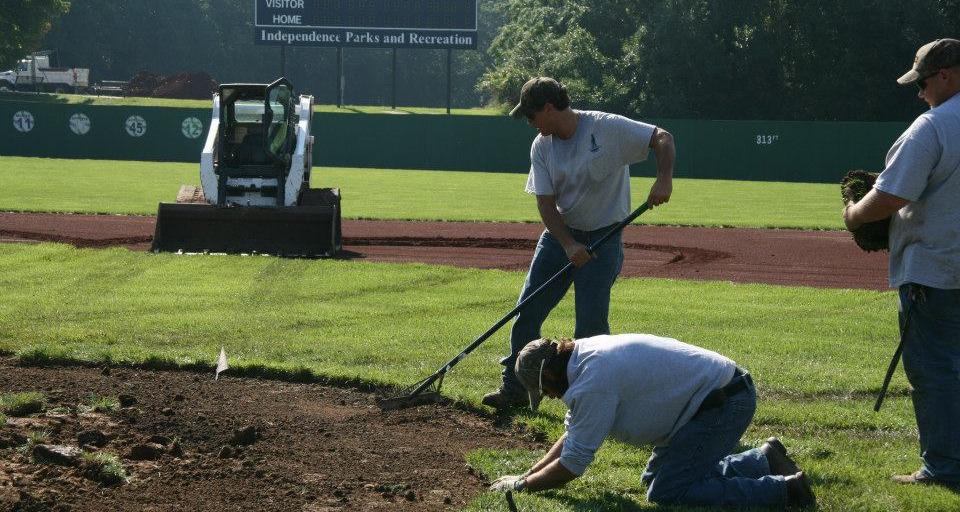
{"x":428,"y":390}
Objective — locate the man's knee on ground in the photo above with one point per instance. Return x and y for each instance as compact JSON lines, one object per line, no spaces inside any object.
{"x":665,"y":495}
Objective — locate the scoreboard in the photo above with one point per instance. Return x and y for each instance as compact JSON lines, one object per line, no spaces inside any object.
{"x":371,"y":23}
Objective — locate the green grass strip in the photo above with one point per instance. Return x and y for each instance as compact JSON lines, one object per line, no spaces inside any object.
{"x":129,"y":187}
{"x":392,"y":323}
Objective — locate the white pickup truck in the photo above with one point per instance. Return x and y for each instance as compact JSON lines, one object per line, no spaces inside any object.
{"x":35,"y":74}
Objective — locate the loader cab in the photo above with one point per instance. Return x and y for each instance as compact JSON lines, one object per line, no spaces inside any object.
{"x":257,"y":137}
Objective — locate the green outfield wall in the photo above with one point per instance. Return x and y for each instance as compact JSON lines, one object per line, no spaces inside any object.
{"x":742,"y":150}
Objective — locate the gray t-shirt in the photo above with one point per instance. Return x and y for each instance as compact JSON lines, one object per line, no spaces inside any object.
{"x":636,"y":388}
{"x":924,"y":166}
{"x":589,"y":173}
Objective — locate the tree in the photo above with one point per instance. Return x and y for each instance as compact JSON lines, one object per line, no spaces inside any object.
{"x":23,"y":24}
{"x":722,"y":59}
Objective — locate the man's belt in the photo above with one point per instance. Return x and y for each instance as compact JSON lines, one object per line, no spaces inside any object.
{"x":718,"y":397}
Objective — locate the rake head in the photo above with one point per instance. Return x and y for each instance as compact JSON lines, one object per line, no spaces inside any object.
{"x":410,"y":396}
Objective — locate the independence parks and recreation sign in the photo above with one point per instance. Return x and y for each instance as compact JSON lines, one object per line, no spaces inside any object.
{"x":450,"y":24}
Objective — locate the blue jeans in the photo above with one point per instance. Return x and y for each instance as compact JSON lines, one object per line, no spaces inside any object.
{"x":695,"y":469}
{"x":592,"y":283}
{"x":931,"y":360}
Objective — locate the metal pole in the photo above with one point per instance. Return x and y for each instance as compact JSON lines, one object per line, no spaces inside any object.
{"x":393,"y":94}
{"x":449,"y":72}
{"x":339,"y":76}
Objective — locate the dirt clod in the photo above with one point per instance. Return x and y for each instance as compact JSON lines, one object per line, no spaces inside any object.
{"x":245,"y":436}
{"x":146,"y":451}
{"x":92,"y":437}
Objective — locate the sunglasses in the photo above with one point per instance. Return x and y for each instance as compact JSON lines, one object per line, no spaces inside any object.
{"x":922,"y":83}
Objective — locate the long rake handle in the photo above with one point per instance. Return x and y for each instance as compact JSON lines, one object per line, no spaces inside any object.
{"x":896,"y":355}
{"x":513,"y":312}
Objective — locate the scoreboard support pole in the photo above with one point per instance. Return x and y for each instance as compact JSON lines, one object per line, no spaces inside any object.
{"x":449,"y":81}
{"x":339,"y":76}
{"x":393,"y":83}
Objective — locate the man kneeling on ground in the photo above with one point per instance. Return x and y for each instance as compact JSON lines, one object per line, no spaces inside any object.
{"x":692,"y":404}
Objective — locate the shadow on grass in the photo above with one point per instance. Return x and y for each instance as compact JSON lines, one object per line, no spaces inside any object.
{"x":610,"y":501}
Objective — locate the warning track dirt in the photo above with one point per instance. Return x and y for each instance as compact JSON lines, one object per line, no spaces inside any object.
{"x":827,"y":259}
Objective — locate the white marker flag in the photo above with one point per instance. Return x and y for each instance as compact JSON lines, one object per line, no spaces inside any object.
{"x":221,"y":363}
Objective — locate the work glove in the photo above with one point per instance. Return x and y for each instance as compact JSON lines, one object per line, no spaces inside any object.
{"x":516,"y":483}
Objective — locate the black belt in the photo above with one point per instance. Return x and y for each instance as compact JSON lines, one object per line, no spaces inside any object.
{"x":602,"y":230}
{"x":718,"y":397}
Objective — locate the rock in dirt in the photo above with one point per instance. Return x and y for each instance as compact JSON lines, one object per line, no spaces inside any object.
{"x":227,"y":452}
{"x":176,"y":449}
{"x":146,"y":451}
{"x":63,"y":455}
{"x":93,"y":438}
{"x":245,"y":436}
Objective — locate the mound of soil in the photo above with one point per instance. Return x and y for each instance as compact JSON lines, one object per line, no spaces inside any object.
{"x":232,"y":444}
{"x":195,"y":86}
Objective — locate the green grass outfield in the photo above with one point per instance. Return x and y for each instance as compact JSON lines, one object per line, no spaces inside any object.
{"x":817,"y":355}
{"x":128,"y":187}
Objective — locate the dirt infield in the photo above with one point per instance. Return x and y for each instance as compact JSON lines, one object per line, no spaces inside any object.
{"x":827,"y":259}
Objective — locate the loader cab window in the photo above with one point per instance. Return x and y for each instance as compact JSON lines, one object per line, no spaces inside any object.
{"x":23,"y":66}
{"x":278,"y":102}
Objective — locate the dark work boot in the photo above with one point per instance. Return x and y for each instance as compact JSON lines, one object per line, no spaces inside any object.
{"x":799,"y":492}
{"x":776,"y":454}
{"x":504,"y":398}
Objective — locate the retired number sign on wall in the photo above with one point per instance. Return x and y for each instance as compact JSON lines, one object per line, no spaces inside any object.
{"x":369,"y":23}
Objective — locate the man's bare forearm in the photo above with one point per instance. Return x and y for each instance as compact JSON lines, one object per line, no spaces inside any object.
{"x":665,"y":153}
{"x":549,"y":472}
{"x":874,"y":206}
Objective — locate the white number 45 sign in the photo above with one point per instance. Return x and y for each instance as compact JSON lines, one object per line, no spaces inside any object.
{"x":136,"y":126}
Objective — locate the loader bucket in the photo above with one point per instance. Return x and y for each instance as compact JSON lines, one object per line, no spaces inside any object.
{"x":308,"y":230}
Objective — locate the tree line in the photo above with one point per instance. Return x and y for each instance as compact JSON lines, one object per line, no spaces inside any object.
{"x":723,"y":59}
{"x":703,"y":59}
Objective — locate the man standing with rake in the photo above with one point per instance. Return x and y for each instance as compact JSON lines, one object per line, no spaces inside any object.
{"x":579,"y":171}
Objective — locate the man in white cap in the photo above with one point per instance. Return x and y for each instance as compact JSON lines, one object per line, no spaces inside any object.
{"x":691,"y":404}
{"x":579,"y":172}
{"x":920,"y":189}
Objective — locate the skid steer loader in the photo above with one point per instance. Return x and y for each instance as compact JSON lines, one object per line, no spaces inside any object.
{"x":255,"y":195}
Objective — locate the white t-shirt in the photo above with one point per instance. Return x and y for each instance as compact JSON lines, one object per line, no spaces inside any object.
{"x":635,"y":388}
{"x":589,"y":173}
{"x":923,"y":165}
